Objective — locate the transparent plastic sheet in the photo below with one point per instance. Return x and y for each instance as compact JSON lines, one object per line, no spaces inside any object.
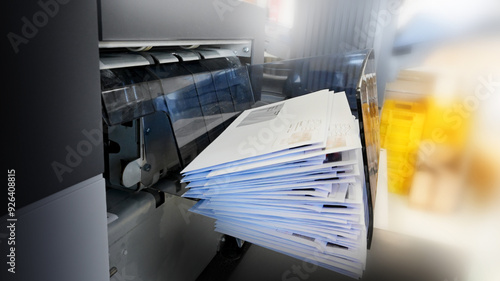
{"x":287,"y":79}
{"x":201,"y":98}
{"x":126,"y":94}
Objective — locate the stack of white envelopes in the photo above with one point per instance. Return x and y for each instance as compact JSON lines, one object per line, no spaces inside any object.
{"x":289,"y":177}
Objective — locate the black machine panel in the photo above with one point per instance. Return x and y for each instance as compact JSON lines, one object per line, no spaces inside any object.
{"x":52,"y":106}
{"x":165,"y":21}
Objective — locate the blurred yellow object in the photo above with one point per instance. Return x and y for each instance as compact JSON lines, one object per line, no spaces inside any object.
{"x":401,"y":127}
{"x":440,"y":163}
{"x":447,"y":123}
{"x":484,"y":170}
{"x":437,"y":184}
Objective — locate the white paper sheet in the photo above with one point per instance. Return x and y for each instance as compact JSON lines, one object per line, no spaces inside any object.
{"x":300,"y":121}
{"x":289,"y":177}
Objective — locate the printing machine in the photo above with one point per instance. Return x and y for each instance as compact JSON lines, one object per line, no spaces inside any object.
{"x":156,"y":87}
{"x":162,"y":107}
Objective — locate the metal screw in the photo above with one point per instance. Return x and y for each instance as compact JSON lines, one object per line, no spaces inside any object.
{"x":113,"y":271}
{"x":147,"y":167}
{"x":246,"y":49}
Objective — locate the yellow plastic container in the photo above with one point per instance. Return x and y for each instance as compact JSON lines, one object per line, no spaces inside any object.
{"x":446,"y":125}
{"x":401,"y":127}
